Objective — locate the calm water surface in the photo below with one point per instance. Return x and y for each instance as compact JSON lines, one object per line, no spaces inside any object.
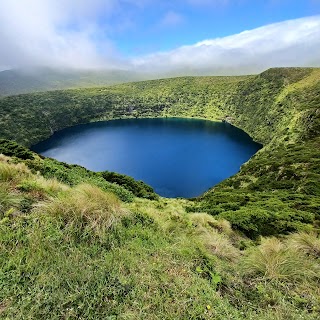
{"x":177,"y":157}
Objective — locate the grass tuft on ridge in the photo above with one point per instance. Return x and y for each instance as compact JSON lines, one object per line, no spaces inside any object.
{"x":308,"y":243}
{"x":275,"y":260}
{"x":85,"y":207}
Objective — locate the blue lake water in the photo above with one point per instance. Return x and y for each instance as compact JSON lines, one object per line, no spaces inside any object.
{"x":177,"y":157}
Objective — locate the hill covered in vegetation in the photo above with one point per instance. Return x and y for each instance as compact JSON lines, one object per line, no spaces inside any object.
{"x":79,"y":244}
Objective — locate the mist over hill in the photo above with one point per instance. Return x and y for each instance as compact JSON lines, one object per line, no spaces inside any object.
{"x":28,"y":80}
{"x":17,"y":81}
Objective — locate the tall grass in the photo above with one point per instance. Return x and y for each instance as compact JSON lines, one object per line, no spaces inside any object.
{"x":85,"y":207}
{"x":274,"y":260}
{"x":8,"y":199}
{"x":13,"y":172}
{"x":4,"y":158}
{"x":219,"y":245}
{"x":308,"y":243}
{"x":208,"y":221}
{"x":38,"y":184}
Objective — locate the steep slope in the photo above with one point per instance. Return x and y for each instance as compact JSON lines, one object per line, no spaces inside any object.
{"x":32,"y":117}
{"x":75,"y":244}
{"x":77,"y":252}
{"x":279,"y":188}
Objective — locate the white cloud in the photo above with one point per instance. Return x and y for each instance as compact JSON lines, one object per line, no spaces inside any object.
{"x":65,"y":33}
{"x":289,"y":43}
{"x":56,"y":33}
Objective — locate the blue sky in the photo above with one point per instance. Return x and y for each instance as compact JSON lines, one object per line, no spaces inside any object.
{"x":165,"y":25}
{"x":168,"y":36}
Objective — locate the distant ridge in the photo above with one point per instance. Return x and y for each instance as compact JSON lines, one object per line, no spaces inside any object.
{"x":18,"y":81}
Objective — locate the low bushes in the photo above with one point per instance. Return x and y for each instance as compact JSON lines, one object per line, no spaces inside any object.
{"x":138,"y":188}
{"x":75,"y":174}
{"x":11,"y":148}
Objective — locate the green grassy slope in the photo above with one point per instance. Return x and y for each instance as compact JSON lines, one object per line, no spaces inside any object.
{"x":77,"y":252}
{"x":278,"y":189}
{"x":278,"y":108}
{"x":32,"y":117}
{"x":73,"y":250}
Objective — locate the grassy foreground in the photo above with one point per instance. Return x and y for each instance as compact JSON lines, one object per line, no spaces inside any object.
{"x":80,"y":253}
{"x":75,"y":244}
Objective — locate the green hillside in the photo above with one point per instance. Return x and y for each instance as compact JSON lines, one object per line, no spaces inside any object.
{"x":75,"y":244}
{"x":32,"y":117}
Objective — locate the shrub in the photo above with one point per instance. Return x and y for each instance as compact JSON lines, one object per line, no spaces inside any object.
{"x":11,"y":148}
{"x":138,"y":188}
{"x":254,"y":221}
{"x":74,"y":174}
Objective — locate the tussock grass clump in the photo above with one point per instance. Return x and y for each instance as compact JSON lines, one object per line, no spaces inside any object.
{"x":206,"y":220}
{"x":8,"y":199}
{"x":85,"y":207}
{"x":219,"y":244}
{"x":274,"y":260}
{"x":13,"y":172}
{"x":4,"y":158}
{"x":309,"y":243}
{"x":38,"y":184}
{"x":51,"y":185}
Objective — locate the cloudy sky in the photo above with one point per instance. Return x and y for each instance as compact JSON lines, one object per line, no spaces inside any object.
{"x":163,"y":36}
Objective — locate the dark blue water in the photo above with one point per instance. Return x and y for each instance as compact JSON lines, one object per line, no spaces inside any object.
{"x":177,"y":157}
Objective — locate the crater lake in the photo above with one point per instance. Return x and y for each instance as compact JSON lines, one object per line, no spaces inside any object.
{"x":178,"y":157}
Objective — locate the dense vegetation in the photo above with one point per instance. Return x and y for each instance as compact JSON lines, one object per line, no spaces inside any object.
{"x":123,"y":186}
{"x":279,"y":108}
{"x":79,"y":252}
{"x":34,"y":117}
{"x":79,"y":244}
{"x":278,"y":190}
